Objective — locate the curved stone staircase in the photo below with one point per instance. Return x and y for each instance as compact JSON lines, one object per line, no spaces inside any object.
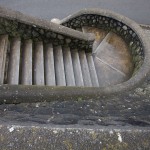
{"x":88,"y":49}
{"x":35,"y":63}
{"x":60,"y":88}
{"x":112,"y":57}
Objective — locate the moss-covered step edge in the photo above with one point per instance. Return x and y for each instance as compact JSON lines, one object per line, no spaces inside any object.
{"x":16,"y":24}
{"x":14,"y":94}
{"x":18,"y":137}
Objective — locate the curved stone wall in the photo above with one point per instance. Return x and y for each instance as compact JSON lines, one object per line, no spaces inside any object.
{"x":113,"y":25}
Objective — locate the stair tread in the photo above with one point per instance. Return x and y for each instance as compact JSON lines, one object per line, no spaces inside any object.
{"x":14,"y":62}
{"x":85,"y":69}
{"x":59,"y":66}
{"x":92,"y":70}
{"x":77,"y":68}
{"x":3,"y":51}
{"x":115,"y":53}
{"x":38,"y":64}
{"x":112,"y":59}
{"x":26,"y":70}
{"x":69,"y":73}
{"x":49,"y":65}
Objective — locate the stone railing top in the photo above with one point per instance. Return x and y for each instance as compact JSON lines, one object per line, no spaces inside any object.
{"x":47,"y":26}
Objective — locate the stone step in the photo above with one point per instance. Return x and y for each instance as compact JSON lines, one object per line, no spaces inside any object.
{"x":77,"y":68}
{"x":3,"y":51}
{"x":85,"y":69}
{"x":36,"y":63}
{"x":92,"y":70}
{"x":111,"y":56}
{"x":59,"y":66}
{"x":49,"y":65}
{"x":14,"y":61}
{"x":91,"y":65}
{"x":26,"y":68}
{"x":69,"y":73}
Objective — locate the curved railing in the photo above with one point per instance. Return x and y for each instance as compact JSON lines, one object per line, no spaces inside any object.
{"x":116,"y":23}
{"x":130,"y":31}
{"x":16,"y":24}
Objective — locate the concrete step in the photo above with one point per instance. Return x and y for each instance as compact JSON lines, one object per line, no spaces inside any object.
{"x":111,"y":56}
{"x":49,"y":65}
{"x":59,"y":66}
{"x":14,"y":61}
{"x":69,"y":73}
{"x":26,"y":72}
{"x":3,"y":51}
{"x":36,"y":63}
{"x":77,"y":68}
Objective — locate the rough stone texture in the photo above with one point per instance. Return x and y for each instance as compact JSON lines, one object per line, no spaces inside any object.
{"x":73,"y":138}
{"x":118,"y":122}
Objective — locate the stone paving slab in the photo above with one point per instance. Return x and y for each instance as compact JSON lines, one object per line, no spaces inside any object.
{"x":73,"y":138}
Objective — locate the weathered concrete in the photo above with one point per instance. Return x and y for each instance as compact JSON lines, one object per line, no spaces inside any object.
{"x":73,"y":138}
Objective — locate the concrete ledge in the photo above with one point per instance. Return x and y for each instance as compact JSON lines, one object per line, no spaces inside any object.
{"x":18,"y":137}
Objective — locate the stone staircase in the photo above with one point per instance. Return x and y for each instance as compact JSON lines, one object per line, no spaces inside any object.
{"x":112,"y":57}
{"x":28,"y":62}
{"x":62,"y":89}
{"x":86,"y":55}
{"x":34,"y":63}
